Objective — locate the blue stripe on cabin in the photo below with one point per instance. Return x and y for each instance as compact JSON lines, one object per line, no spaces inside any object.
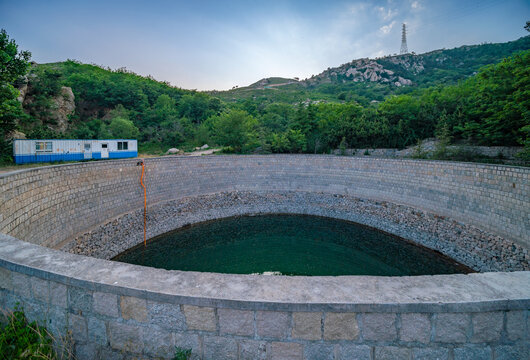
{"x":25,"y":159}
{"x":122,"y":154}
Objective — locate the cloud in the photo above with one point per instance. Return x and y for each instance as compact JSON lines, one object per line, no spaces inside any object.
{"x":386,"y":14}
{"x":416,"y":5}
{"x":387,"y":28}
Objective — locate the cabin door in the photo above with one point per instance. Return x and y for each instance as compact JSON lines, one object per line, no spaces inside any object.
{"x":104,"y":151}
{"x":87,"y":151}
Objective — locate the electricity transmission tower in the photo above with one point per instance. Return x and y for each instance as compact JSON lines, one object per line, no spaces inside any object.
{"x":404,"y":49}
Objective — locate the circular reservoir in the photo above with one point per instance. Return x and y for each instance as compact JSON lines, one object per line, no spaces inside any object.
{"x":288,"y":245}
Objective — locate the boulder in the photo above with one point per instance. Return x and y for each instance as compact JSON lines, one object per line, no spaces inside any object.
{"x":204,"y":147}
{"x":172,"y":151}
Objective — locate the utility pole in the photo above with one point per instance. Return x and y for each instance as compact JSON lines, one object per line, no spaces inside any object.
{"x":404,"y":49}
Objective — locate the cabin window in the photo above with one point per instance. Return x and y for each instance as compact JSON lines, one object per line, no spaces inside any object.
{"x":103,"y":146}
{"x":123,"y":145}
{"x":87,"y":147}
{"x":43,"y":146}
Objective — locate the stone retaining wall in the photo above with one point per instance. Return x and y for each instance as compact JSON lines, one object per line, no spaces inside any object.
{"x":49,"y":206}
{"x":122,"y":311}
{"x":115,"y":310}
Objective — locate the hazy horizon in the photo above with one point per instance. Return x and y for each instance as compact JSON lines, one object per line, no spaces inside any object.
{"x":208,"y":45}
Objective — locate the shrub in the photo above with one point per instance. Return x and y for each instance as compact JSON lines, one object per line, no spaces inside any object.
{"x":20,"y":339}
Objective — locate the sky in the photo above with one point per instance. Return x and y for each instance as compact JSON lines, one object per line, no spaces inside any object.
{"x":216,"y":44}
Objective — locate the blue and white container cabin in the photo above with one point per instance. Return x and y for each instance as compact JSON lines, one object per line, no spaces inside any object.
{"x":32,"y":151}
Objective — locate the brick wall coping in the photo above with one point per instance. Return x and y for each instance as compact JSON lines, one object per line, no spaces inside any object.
{"x":439,"y":293}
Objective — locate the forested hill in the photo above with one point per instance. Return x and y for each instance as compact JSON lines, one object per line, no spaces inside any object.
{"x":365,"y":80}
{"x":74,"y":100}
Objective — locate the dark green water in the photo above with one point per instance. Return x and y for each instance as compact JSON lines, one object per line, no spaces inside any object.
{"x":291,"y":245}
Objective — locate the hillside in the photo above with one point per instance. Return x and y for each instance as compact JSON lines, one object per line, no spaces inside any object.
{"x":366,"y":80}
{"x":440,"y":94}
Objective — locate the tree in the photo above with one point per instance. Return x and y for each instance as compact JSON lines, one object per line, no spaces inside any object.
{"x":121,"y":128}
{"x":235,"y":128}
{"x":13,"y":65}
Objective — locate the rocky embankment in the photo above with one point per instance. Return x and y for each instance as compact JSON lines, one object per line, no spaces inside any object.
{"x":480,"y":250}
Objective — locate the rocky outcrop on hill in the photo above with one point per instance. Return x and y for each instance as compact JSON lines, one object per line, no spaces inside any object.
{"x":363,"y":70}
{"x":63,"y":106}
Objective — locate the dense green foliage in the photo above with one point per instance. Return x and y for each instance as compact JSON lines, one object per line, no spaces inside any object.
{"x":488,"y":108}
{"x":13,"y":65}
{"x":20,"y":339}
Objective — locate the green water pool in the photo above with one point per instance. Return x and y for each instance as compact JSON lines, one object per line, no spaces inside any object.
{"x":288,"y":245}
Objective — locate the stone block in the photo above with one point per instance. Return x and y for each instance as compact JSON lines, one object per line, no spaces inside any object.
{"x":236,"y":322}
{"x":133,"y":308}
{"x":516,"y":325}
{"x":79,"y":300}
{"x":106,"y":304}
{"x":353,"y":351}
{"x":86,"y":351}
{"x":430,"y":354}
{"x":379,"y":327}
{"x":21,"y":284}
{"x":125,"y":337}
{"x":97,"y":331}
{"x":6,"y":281}
{"x":487,"y":326}
{"x":392,"y":353}
{"x":512,"y":352}
{"x":58,"y":294}
{"x":472,"y":352}
{"x":451,"y":327}
{"x":40,"y":289}
{"x":219,"y":348}
{"x":78,"y":326}
{"x":307,"y":325}
{"x":319,"y":351}
{"x":340,"y":326}
{"x":157,"y":342}
{"x":188,"y":341}
{"x":167,"y":316}
{"x":56,"y":321}
{"x":285,"y":351}
{"x":200,"y":318}
{"x":110,"y":354}
{"x":273,"y":324}
{"x":252,"y":350}
{"x":415,"y":327}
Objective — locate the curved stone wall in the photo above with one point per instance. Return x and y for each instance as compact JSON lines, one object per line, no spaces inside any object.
{"x":116,"y":310}
{"x":48,"y":206}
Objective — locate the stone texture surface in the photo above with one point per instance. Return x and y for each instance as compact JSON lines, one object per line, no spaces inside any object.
{"x":273,"y":324}
{"x":487,"y":327}
{"x":452,"y":328}
{"x":252,"y":350}
{"x":472,"y":352}
{"x":125,"y":337}
{"x":307,"y":325}
{"x":415,"y":328}
{"x":105,"y":304}
{"x":285,"y":351}
{"x":133,"y":308}
{"x":392,"y":353}
{"x":379,"y":326}
{"x":236,"y":322}
{"x":220,"y":348}
{"x":354,"y":351}
{"x":200,"y":318}
{"x":430,"y":354}
{"x":167,"y":316}
{"x":516,"y":325}
{"x":340,"y":326}
{"x":319,"y":351}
